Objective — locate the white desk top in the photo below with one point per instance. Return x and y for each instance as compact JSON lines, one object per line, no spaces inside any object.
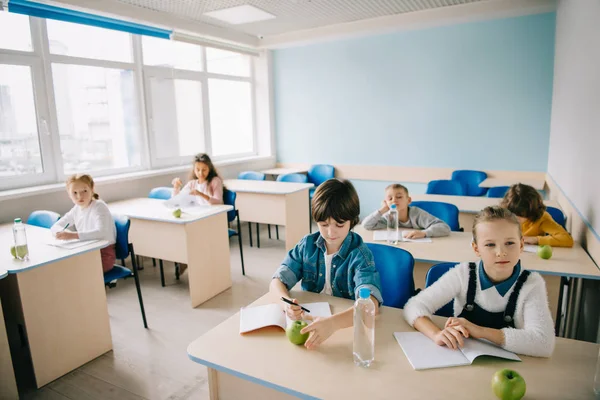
{"x":155,"y":210}
{"x":537,"y":184}
{"x":568,"y":262}
{"x":40,"y":253}
{"x":3,"y":273}
{"x":469,"y":204}
{"x":283,"y":171}
{"x":267,"y":358}
{"x":265,"y":187}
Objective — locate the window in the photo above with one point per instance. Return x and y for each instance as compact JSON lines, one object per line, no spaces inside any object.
{"x":15,"y":33}
{"x":166,"y":53}
{"x":231,"y":122}
{"x":227,"y":62}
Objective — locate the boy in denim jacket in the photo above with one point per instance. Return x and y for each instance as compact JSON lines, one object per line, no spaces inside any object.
{"x":333,"y":261}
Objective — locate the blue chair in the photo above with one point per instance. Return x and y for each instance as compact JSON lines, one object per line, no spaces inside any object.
{"x":43,"y":218}
{"x":161,"y":193}
{"x":445,"y":211}
{"x":123,"y":249}
{"x":445,"y":187}
{"x":395,"y":267}
{"x":434,"y":273}
{"x":297,"y":178}
{"x":471,"y":180}
{"x":497,"y":192}
{"x":253,"y":176}
{"x":317,"y":174}
{"x":558,"y":216}
{"x":229,"y":199}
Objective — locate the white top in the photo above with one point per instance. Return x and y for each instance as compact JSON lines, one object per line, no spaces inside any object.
{"x":214,"y":191}
{"x":265,"y":187}
{"x":327,"y":288}
{"x":95,"y":222}
{"x":533,"y":334}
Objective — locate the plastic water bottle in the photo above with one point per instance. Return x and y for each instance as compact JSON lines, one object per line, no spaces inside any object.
{"x":392,"y":225}
{"x":364,"y":329}
{"x":21,"y":250}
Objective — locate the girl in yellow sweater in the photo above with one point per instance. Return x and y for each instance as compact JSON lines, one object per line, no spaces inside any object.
{"x":537,"y":225}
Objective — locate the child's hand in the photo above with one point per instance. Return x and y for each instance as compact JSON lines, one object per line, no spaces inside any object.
{"x":451,"y":337}
{"x":320,"y":330}
{"x":197,"y":193}
{"x":530,"y":240}
{"x":462,"y":323}
{"x":415,"y":234}
{"x":177,"y":184}
{"x":385,"y":207}
{"x":294,"y":313}
{"x":67,"y":235}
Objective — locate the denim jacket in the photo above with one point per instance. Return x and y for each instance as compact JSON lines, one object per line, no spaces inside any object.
{"x":352,"y":267}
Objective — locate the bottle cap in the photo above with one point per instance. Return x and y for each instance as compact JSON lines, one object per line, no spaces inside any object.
{"x":393,"y":206}
{"x":364,"y":293}
{"x":17,"y":220}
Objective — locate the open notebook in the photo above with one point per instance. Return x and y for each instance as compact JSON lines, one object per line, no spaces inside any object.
{"x":253,"y":318}
{"x":382,"y":235}
{"x":69,"y":244}
{"x":423,"y":353}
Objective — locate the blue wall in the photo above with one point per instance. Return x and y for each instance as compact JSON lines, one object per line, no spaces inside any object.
{"x":475,"y":95}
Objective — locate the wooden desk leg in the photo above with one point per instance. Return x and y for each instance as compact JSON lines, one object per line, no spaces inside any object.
{"x":209,"y":271}
{"x":8,"y":384}
{"x":65,"y":315}
{"x":296,"y":223}
{"x":224,"y":386}
{"x":213,"y":384}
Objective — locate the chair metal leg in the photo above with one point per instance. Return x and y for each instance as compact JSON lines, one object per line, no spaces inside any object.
{"x":122,"y":262}
{"x":240,"y":242}
{"x":250,"y":232}
{"x":269,"y":228}
{"x":277,"y":231}
{"x":162,"y":273}
{"x":154,"y":262}
{"x":257,"y":235}
{"x":176,"y":271}
{"x":136,"y":277}
{"x":140,"y":264}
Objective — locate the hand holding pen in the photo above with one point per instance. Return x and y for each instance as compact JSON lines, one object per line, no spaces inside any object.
{"x":294,"y":310}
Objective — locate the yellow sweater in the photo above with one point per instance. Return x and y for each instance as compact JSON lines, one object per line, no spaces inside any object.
{"x":547,"y":232}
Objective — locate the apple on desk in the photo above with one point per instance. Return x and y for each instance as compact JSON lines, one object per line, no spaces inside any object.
{"x":508,"y":385}
{"x":544,"y":251}
{"x":293,"y":332}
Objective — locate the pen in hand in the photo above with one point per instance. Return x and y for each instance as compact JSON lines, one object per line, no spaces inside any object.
{"x":66,"y":226}
{"x":294,"y":304}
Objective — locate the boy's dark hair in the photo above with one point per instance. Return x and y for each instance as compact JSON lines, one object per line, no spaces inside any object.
{"x":494,"y":213}
{"x":205,"y":159}
{"x":397,"y":186}
{"x":337,"y":199}
{"x":524,"y":201}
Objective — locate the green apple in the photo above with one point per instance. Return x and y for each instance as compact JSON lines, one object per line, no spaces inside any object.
{"x":177,"y":213}
{"x":13,"y":251}
{"x":508,"y":385}
{"x":293,"y":332}
{"x":544,"y":252}
{"x":19,"y":251}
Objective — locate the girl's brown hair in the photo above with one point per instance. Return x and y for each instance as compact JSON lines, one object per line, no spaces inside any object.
{"x":494,"y":213}
{"x":85,"y":179}
{"x":337,"y":199}
{"x":205,"y":159}
{"x":524,"y":201}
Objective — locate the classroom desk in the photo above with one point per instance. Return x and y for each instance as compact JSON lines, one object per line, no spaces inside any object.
{"x":276,"y":203}
{"x":8,"y":384}
{"x":537,"y":184}
{"x":265,"y":365}
{"x":200,"y":240}
{"x":468,"y":206}
{"x":282,"y":171}
{"x":54,"y":306}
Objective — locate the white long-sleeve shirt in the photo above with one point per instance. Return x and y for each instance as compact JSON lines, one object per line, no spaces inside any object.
{"x":214,"y":190}
{"x":92,"y":222}
{"x":533,"y":334}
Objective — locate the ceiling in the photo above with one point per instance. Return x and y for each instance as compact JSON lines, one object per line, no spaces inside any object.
{"x":294,"y":15}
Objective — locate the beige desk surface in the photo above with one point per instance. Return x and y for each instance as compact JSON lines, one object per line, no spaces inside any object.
{"x":537,"y":184}
{"x":468,"y":204}
{"x":40,"y":253}
{"x":267,"y":358}
{"x":569,"y":262}
{"x":283,"y":171}
{"x":155,"y":210}
{"x":265,"y":187}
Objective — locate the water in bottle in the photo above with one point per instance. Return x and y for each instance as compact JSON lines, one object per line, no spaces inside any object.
{"x":392,"y":225}
{"x":21,"y":250}
{"x":364,"y":329}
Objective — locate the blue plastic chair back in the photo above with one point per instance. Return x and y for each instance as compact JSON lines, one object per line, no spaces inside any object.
{"x":298,"y":178}
{"x":497,"y":191}
{"x":319,"y":173}
{"x":395,"y":267}
{"x":229,"y":199}
{"x":558,"y":216}
{"x":434,"y":273}
{"x":43,"y":218}
{"x":445,"y":211}
{"x":161,"y":193}
{"x":446,"y":187}
{"x":471,"y":180}
{"x":252,"y":176}
{"x":122,"y":245}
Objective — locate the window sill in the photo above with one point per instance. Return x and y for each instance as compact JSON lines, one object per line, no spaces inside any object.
{"x":56,"y":187}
